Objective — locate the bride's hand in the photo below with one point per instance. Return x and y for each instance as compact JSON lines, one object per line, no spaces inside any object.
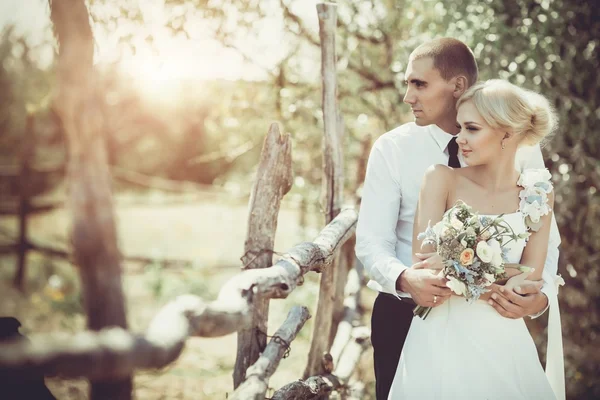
{"x":429,"y":261}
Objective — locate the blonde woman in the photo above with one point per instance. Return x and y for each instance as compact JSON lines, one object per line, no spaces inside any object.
{"x":469,"y":351}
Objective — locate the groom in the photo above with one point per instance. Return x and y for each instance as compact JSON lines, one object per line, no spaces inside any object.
{"x":438,"y":73}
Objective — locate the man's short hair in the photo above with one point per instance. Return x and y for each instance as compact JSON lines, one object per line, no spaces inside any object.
{"x":451,"y":57}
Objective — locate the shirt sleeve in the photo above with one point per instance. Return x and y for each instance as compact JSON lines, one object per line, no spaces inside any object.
{"x":378,"y":216}
{"x":531,"y":157}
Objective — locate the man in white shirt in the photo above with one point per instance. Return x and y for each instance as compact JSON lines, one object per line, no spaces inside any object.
{"x":437,"y":74}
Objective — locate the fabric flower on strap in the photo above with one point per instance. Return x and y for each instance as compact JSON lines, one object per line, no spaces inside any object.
{"x":536,"y":184}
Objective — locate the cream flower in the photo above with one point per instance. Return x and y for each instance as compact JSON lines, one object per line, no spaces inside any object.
{"x":456,"y":223}
{"x":490,"y":278}
{"x":484,"y":252}
{"x":456,"y":286}
{"x":474,"y":221}
{"x":466,"y":257}
{"x":485,"y":235}
{"x":470,"y":232}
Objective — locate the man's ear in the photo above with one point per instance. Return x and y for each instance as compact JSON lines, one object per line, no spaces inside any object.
{"x":460,"y":86}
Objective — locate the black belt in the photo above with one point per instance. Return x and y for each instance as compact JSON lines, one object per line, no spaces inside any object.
{"x":405,"y":300}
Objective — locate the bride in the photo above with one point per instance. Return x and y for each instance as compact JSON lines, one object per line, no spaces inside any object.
{"x":469,"y":351}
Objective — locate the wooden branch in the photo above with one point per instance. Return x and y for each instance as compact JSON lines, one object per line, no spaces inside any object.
{"x":114,"y":353}
{"x":62,"y":252}
{"x":356,"y":390}
{"x":319,"y":385}
{"x":302,"y":30}
{"x":351,"y":315}
{"x":228,"y":155}
{"x":257,"y":376}
{"x":273,"y":181}
{"x":79,"y":106}
{"x":7,"y":171}
{"x":309,"y":389}
{"x":36,"y":206}
{"x":352,"y":352}
{"x":155,"y":182}
{"x":332,"y":184}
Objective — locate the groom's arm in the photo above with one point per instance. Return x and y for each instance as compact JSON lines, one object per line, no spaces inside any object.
{"x":378,"y":217}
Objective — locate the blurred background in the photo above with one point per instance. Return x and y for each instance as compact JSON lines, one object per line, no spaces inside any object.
{"x":191,"y":88}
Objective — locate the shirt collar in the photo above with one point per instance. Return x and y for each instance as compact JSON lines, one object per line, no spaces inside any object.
{"x":441,"y":137}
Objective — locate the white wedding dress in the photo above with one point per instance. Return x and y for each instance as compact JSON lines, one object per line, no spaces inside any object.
{"x":469,"y":351}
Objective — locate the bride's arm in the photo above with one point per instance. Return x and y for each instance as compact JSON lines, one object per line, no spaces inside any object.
{"x":432,"y":204}
{"x":534,"y":254}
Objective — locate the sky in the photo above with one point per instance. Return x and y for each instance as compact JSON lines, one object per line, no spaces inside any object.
{"x":172,"y":57}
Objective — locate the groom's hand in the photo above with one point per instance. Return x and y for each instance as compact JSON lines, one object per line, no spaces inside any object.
{"x":425,"y":286}
{"x":526,"y":300}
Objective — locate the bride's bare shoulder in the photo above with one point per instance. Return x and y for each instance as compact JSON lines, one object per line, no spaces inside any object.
{"x":439,"y":175}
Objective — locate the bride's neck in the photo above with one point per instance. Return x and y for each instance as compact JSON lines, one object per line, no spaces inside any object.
{"x":499,"y":174}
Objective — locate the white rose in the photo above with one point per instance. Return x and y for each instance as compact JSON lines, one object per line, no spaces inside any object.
{"x":496,"y":252}
{"x":456,"y":286}
{"x":489,"y":278}
{"x":494,"y":244}
{"x":497,"y":259}
{"x":484,"y":252}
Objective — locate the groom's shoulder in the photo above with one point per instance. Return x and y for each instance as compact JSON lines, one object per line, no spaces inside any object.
{"x":403,"y":136}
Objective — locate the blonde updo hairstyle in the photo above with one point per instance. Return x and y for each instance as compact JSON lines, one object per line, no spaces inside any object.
{"x":505,"y":106}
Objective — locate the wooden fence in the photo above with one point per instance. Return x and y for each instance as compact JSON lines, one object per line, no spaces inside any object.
{"x":108,"y":353}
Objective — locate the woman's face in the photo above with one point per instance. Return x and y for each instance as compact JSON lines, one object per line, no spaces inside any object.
{"x":479,"y":143}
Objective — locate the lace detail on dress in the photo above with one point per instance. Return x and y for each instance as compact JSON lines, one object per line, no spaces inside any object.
{"x":536,"y":184}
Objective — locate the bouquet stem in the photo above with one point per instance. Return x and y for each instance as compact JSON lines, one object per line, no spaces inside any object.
{"x":421,"y":311}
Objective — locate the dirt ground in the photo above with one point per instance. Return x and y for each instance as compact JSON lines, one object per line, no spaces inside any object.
{"x":211,"y":233}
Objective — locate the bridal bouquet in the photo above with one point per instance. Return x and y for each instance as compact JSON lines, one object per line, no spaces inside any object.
{"x":473,"y":249}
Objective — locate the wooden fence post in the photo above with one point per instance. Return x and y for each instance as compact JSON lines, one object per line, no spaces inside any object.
{"x":79,"y":107}
{"x":27,"y":152}
{"x":273,"y":181}
{"x":332,"y":186}
{"x":259,"y":373}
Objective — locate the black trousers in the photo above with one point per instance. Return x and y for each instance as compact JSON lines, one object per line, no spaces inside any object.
{"x":390,"y":321}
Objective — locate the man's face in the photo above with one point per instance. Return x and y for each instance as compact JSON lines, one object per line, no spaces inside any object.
{"x":430,"y":96}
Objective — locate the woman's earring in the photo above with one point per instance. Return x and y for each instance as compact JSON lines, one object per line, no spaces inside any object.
{"x":503,"y":145}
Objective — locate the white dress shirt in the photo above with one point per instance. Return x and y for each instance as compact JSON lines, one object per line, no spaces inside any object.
{"x":395,"y":170}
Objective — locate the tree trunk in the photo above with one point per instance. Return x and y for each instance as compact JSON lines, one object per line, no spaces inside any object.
{"x":27,"y":152}
{"x":79,"y":107}
{"x":273,"y":181}
{"x":332,"y":188}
